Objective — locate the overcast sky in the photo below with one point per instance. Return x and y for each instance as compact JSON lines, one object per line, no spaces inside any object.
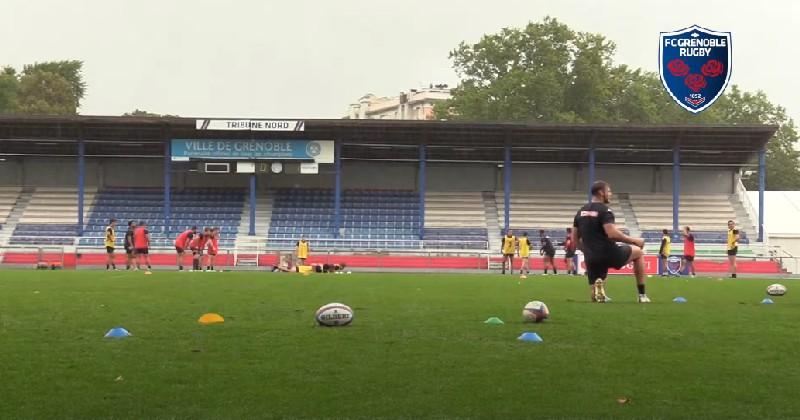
{"x":310,"y":59}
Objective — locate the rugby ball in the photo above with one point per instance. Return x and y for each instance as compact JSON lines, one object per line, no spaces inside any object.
{"x":776,"y":289}
{"x":535,"y":311}
{"x":334,"y":315}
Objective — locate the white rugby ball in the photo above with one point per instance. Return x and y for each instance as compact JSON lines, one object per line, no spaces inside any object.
{"x":535,"y":311}
{"x":334,"y":315}
{"x":776,"y":289}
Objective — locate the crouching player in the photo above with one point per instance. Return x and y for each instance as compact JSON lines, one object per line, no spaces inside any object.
{"x":594,"y":227}
{"x":182,"y":242}
{"x":197,"y":244}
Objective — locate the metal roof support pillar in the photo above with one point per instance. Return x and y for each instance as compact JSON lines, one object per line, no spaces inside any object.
{"x":421,"y":188}
{"x":167,"y":186}
{"x":507,"y":187}
{"x":676,"y":190}
{"x":252,"y":227}
{"x":762,"y":183}
{"x":81,"y":182}
{"x":337,"y":190}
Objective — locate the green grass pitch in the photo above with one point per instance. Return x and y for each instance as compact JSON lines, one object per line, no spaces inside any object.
{"x":417,"y":348}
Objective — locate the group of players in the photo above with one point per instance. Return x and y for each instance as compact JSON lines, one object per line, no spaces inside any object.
{"x":594,"y":232}
{"x":521,"y":247}
{"x":204,"y":247}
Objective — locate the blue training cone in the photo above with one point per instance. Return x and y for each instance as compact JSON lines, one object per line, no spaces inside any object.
{"x":679,"y":299}
{"x":117,"y":332}
{"x":767,"y":301}
{"x":531,"y":337}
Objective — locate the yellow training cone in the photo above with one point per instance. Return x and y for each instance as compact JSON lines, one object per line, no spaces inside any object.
{"x":211,"y":318}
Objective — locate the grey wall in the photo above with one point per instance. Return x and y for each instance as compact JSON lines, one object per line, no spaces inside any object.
{"x":358,"y":174}
{"x":532,"y":177}
{"x":461,"y":177}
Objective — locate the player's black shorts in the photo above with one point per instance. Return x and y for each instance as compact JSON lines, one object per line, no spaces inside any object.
{"x":508,"y":255}
{"x":569,"y":254}
{"x":196,"y":251}
{"x":129,"y":251}
{"x":550,"y":254}
{"x":689,"y":258}
{"x":109,"y":249}
{"x":179,"y":250}
{"x":617,"y":258}
{"x":732,"y":252}
{"x":142,"y":251}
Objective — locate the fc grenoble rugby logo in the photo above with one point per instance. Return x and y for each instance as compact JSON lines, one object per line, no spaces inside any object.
{"x":695,"y":65}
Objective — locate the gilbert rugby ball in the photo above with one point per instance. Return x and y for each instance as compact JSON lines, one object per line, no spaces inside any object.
{"x":535,"y":311}
{"x":776,"y":289}
{"x":334,"y":315}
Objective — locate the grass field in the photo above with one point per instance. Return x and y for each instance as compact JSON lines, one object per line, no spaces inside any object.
{"x":417,"y":348}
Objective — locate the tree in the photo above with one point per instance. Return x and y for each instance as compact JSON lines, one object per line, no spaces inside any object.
{"x":42,"y":92}
{"x":142,"y":113}
{"x":70,"y":70}
{"x":55,"y":87}
{"x":9,"y":85}
{"x":548,"y":72}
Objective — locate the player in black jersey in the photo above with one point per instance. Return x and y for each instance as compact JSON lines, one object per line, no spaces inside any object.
{"x":129,"y":257}
{"x":597,"y":236}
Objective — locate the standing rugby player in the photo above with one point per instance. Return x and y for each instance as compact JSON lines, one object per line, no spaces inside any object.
{"x":507,"y":248}
{"x":111,"y":243}
{"x":688,"y":251}
{"x":569,"y":253}
{"x":549,"y":252}
{"x":733,"y":247}
{"x":130,"y":258}
{"x":213,"y":248}
{"x":182,"y":242}
{"x":302,"y":248}
{"x":664,"y":252}
{"x":597,"y":235}
{"x":141,"y":242}
{"x":524,"y":255}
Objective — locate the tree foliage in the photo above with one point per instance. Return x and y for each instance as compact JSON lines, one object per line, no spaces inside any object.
{"x":548,"y":72}
{"x":142,"y":113}
{"x":50,"y":88}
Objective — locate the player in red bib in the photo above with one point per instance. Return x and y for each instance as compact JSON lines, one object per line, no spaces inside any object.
{"x":141,"y":242}
{"x":182,"y":242}
{"x":688,"y":251}
{"x":569,"y":253}
{"x":213,"y":248}
{"x":196,"y":245}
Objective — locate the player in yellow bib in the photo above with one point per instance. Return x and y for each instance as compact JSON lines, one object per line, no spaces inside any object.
{"x":110,"y":243}
{"x":524,"y":254}
{"x":302,"y":250}
{"x":508,"y":249}
{"x":733,"y":247}
{"x":664,"y":252}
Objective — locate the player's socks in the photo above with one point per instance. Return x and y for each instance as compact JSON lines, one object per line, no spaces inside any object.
{"x":640,"y":287}
{"x":107,"y":267}
{"x":733,"y":276}
{"x":180,"y":268}
{"x":555,"y":271}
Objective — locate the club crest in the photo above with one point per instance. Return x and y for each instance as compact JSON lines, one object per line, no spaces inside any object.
{"x":674,"y":265}
{"x":695,"y":66}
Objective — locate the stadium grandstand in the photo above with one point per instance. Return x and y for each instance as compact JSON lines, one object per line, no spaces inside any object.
{"x":402,"y":194}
